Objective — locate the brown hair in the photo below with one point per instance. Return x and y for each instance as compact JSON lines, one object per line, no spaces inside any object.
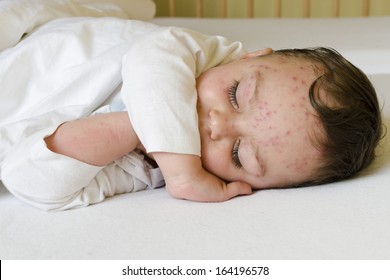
{"x":352,"y":122}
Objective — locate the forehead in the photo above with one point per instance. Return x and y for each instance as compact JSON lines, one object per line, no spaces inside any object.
{"x":282,"y":79}
{"x":283,"y":64}
{"x":290,"y":128}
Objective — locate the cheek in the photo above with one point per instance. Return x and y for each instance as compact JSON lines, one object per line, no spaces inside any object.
{"x":208,"y":82}
{"x":207,"y":89}
{"x":215,"y":158}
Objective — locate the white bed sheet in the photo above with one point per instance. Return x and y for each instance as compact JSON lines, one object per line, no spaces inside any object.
{"x":344,"y":220}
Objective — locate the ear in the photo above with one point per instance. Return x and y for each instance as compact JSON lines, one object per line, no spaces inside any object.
{"x":257,"y":53}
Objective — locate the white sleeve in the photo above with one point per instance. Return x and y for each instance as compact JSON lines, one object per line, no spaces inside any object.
{"x":55,"y":182}
{"x":159,"y":85}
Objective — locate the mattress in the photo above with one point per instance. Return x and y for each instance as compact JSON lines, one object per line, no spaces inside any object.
{"x":343,"y":220}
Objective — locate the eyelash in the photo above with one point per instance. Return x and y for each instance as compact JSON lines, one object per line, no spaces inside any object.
{"x":232,"y":94}
{"x":235,"y":157}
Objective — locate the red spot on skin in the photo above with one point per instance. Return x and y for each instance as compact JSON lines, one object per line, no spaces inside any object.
{"x":258,"y":119}
{"x":288,"y":132}
{"x":262,"y":105}
{"x":294,"y":78}
{"x":299,"y":164}
{"x":274,"y":140}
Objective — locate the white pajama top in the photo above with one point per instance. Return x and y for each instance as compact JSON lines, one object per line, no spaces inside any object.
{"x":70,"y":67}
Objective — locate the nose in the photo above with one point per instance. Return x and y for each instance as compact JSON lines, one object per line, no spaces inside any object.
{"x":221,"y":125}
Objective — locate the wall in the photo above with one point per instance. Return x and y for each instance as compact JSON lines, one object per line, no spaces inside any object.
{"x":266,"y":8}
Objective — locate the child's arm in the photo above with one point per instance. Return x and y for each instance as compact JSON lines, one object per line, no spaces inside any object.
{"x":96,"y":140}
{"x":185,"y":178}
{"x":101,"y":139}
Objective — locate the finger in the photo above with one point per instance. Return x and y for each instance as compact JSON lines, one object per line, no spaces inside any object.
{"x":239,"y":188}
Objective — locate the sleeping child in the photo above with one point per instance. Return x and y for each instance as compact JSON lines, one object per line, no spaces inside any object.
{"x":193,"y":112}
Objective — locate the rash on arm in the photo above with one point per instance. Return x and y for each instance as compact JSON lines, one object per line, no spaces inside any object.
{"x":96,"y":140}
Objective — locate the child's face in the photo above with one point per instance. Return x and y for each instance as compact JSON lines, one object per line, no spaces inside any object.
{"x":256,"y":121}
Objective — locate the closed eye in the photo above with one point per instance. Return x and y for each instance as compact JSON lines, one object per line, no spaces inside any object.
{"x":233,"y":95}
{"x":235,"y":157}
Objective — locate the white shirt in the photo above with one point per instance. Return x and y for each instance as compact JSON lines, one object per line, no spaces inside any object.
{"x":159,"y":85}
{"x":67,"y":69}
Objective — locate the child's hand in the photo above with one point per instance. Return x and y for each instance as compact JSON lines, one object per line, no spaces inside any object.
{"x":185,"y":178}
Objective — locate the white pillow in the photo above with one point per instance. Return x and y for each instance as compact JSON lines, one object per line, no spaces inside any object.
{"x":19,"y":17}
{"x":135,"y":9}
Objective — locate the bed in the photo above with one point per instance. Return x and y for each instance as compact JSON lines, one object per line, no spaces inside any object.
{"x":343,"y":220}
